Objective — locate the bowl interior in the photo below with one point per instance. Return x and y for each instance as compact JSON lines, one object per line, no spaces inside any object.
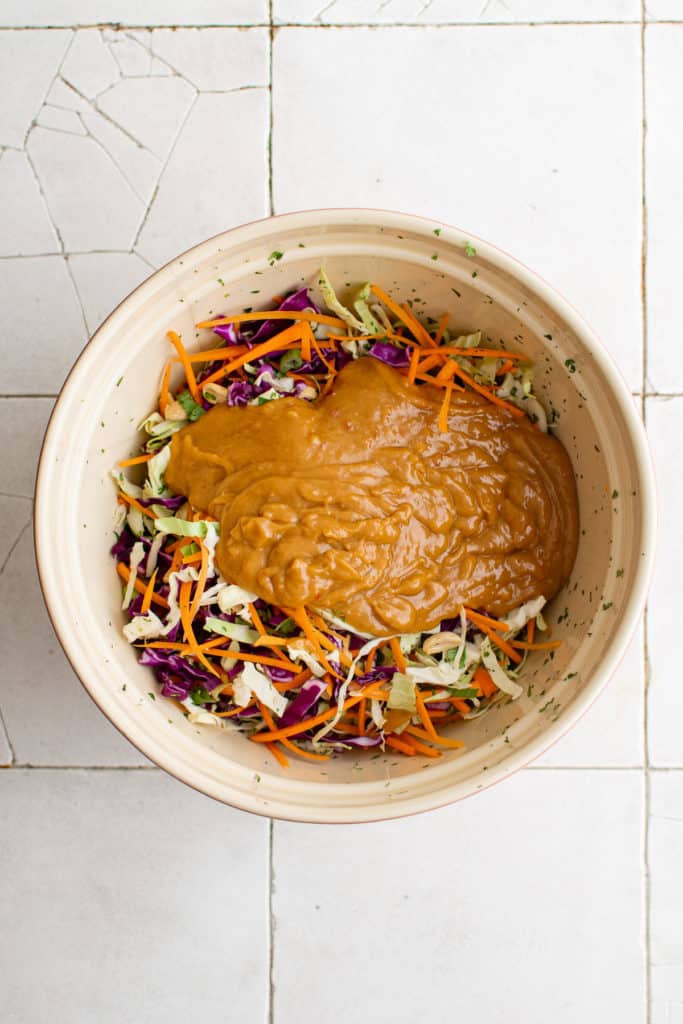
{"x":115,"y":383}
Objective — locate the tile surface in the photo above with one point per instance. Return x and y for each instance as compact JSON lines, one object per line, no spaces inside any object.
{"x":665,"y":643}
{"x":511,"y":166}
{"x":665,"y":854}
{"x":663,"y":53}
{"x":126,"y":931}
{"x":439,"y":890}
{"x":348,"y":12}
{"x":129,"y":131}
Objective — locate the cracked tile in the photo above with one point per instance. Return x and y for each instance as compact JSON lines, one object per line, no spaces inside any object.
{"x":25,"y":227}
{"x":5,"y":749}
{"x":49,"y":717}
{"x":215,"y":59}
{"x":136,"y":12}
{"x":131,"y":57}
{"x":63,"y":96}
{"x":89,"y":66}
{"x":348,"y":12}
{"x":28,"y":62}
{"x":60,"y":120}
{"x":569,"y":848}
{"x":99,"y":883}
{"x":90,"y":202}
{"x":104,"y":279}
{"x":39,"y":311}
{"x":138,"y":166}
{"x":12,"y":510}
{"x":150,"y":109}
{"x":200,"y":197}
{"x":513,"y":169}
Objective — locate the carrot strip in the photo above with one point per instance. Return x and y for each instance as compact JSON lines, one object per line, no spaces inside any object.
{"x":444,"y":741}
{"x":492,"y":397}
{"x":214,"y":355}
{"x":268,"y":719}
{"x":300,"y":616}
{"x":362,"y":709}
{"x":201,"y":582}
{"x":136,"y":504}
{"x":446,"y":372}
{"x":309,"y":723}
{"x":124,"y":572}
{"x":186,"y":620}
{"x":187,"y":365}
{"x":164,"y":394}
{"x":278,"y":755}
{"x":148,"y":594}
{"x":259,"y":659}
{"x":414,"y":360}
{"x":421,"y":748}
{"x":507,"y":367}
{"x":285,"y":339}
{"x":443,"y":412}
{"x":234,"y":711}
{"x":397,"y":744}
{"x":398,"y":654}
{"x":443,"y":324}
{"x":425,"y":719}
{"x":407,"y":318}
{"x":530,"y":627}
{"x":430,"y":361}
{"x":497,"y":639}
{"x":137,"y":460}
{"x":255,"y":618}
{"x":482,"y":679}
{"x":478,"y":617}
{"x":306,"y":342}
{"x":274,"y":314}
{"x":462,"y":706}
{"x":370,"y":660}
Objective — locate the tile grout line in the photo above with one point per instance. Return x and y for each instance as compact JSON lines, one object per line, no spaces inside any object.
{"x":645,"y":652}
{"x":125,"y":27}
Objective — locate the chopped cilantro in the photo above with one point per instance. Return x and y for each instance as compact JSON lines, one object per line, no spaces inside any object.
{"x":200,"y":696}
{"x":548,"y":336}
{"x":470,"y":250}
{"x":119,"y":381}
{"x":437,"y":231}
{"x":434,"y":256}
{"x":607,"y":605}
{"x":151,"y":695}
{"x":571,"y":365}
{"x":275,"y":256}
{"x":287,"y":627}
{"x":620,"y":572}
{"x":615,"y":494}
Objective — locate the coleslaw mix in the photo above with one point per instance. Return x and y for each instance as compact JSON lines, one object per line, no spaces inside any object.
{"x":301,"y":680}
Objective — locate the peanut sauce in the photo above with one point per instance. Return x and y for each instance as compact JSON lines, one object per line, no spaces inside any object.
{"x":357,"y":503}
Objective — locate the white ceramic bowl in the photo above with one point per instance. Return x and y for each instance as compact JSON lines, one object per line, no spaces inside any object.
{"x":115,"y":382}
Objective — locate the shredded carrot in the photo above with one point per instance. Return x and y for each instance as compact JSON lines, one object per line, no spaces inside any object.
{"x":187,"y":365}
{"x":362,"y":710}
{"x":424,"y":717}
{"x":462,"y":706}
{"x":148,"y":594}
{"x":429,"y":362}
{"x":507,"y":367}
{"x":398,"y":654}
{"x":530,"y":627}
{"x":443,"y":324}
{"x":406,"y":317}
{"x":443,"y":741}
{"x":412,"y":369}
{"x":443,"y":413}
{"x":482,"y":679}
{"x":498,"y":640}
{"x":300,"y":616}
{"x":487,"y":393}
{"x":397,"y":744}
{"x":136,"y":504}
{"x":421,"y":748}
{"x":201,"y":582}
{"x":274,"y":314}
{"x":124,"y":572}
{"x":234,"y":711}
{"x":309,"y":723}
{"x":306,"y":343}
{"x":446,"y":373}
{"x":268,"y":719}
{"x":256,"y":619}
{"x":278,"y":755}
{"x":136,"y":460}
{"x":479,"y":617}
{"x":164,"y":394}
{"x":281,"y":662}
{"x":284,"y":340}
{"x":370,"y":660}
{"x":186,"y":620}
{"x":216,"y":355}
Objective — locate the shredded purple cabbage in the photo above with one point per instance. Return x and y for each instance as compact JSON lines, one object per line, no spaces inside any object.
{"x":390,"y":354}
{"x":306,"y":698}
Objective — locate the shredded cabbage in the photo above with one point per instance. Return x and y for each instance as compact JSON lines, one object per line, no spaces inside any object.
{"x":497,"y":672}
{"x":333,"y":303}
{"x":251,"y":681}
{"x":235,"y":630}
{"x":402,"y":695}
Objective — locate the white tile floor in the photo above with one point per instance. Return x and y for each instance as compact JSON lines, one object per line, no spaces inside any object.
{"x":128,"y":131}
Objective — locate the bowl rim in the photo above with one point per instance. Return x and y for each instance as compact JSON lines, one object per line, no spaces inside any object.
{"x":159,"y":753}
